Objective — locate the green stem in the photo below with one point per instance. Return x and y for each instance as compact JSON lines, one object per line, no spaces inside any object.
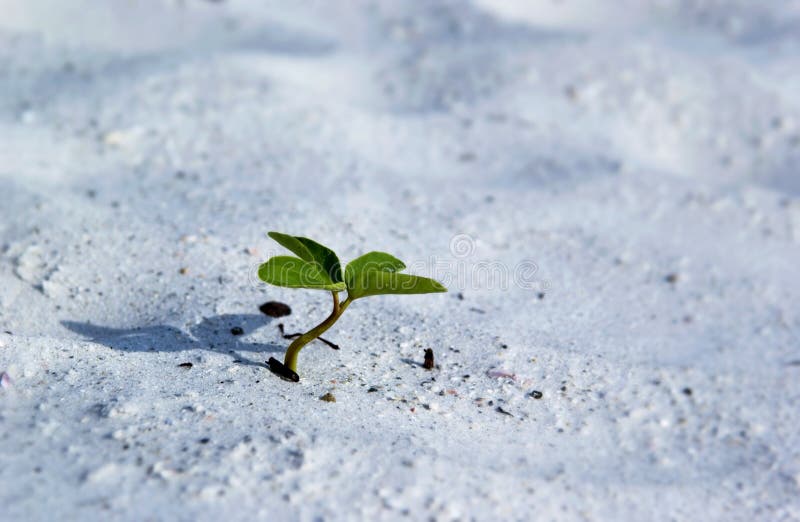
{"x":290,"y":360}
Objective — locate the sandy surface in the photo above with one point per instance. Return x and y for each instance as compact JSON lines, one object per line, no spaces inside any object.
{"x":627,"y":176}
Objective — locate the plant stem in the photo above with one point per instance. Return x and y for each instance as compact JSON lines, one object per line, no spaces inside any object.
{"x":290,"y":360}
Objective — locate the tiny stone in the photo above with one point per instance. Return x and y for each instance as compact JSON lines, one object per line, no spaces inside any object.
{"x":671,"y":278}
{"x":372,"y":389}
{"x":183,"y":271}
{"x":185,"y":365}
{"x":328,"y":397}
{"x":275,"y":309}
{"x":536,"y":394}
{"x":501,"y":410}
{"x":237,"y":330}
{"x":428,"y":364}
{"x":204,"y":440}
{"x":687,"y":392}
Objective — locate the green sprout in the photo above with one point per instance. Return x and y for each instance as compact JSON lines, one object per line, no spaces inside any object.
{"x":317,"y":267}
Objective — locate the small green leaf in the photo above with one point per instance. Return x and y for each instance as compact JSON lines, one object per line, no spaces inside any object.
{"x":380,"y":261}
{"x":311,"y":251}
{"x":293,"y":272}
{"x":377,"y":282}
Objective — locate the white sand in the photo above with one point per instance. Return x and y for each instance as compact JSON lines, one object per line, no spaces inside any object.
{"x":610,"y":143}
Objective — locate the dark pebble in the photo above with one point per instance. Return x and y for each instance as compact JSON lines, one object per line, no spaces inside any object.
{"x":204,"y":440}
{"x":671,"y":278}
{"x":373,"y":389}
{"x":428,"y":364}
{"x":687,"y":392}
{"x":501,"y":410}
{"x":185,"y":365}
{"x":275,"y":309}
{"x":536,"y":394}
{"x":237,"y":330}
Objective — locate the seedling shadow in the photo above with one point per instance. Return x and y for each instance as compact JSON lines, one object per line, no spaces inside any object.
{"x":412,"y":362}
{"x":212,"y":334}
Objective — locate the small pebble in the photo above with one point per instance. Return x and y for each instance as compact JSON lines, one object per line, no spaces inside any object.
{"x":501,"y":410}
{"x":536,"y":394}
{"x":237,"y":330}
{"x":671,"y":278}
{"x":185,"y":365}
{"x":275,"y":309}
{"x":428,"y":364}
{"x":328,"y":397}
{"x":687,"y":392}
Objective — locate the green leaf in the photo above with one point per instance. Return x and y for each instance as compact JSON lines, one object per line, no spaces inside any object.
{"x":293,"y":272}
{"x":380,"y":261}
{"x":312,"y":252}
{"x":377,"y":282}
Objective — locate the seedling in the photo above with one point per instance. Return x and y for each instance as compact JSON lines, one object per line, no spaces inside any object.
{"x":317,"y":267}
